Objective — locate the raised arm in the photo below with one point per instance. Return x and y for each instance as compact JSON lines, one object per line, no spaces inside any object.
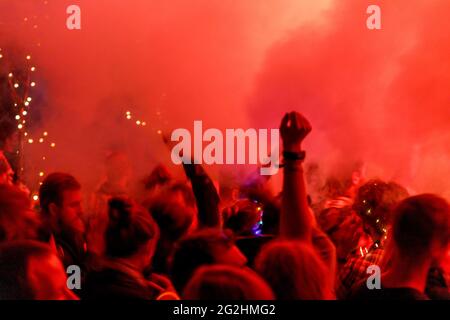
{"x":295,"y":220}
{"x":206,"y":196}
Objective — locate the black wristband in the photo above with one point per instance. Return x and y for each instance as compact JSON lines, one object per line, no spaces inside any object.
{"x":297,"y":156}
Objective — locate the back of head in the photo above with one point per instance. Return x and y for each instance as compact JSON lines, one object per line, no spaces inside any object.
{"x":421,"y":226}
{"x":130,"y":227}
{"x":375,"y":202}
{"x":197,"y":249}
{"x":173,"y":219}
{"x":243,"y":218}
{"x":53,"y":187}
{"x":294,"y":271}
{"x":17,"y":220}
{"x":14,"y":260}
{"x":222,"y":282}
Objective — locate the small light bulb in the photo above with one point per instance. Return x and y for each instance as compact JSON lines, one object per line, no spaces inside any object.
{"x":28,"y":57}
{"x":30,"y":140}
{"x":33,"y":84}
{"x":25,"y":134}
{"x":41,"y":140}
{"x":20,"y":126}
{"x":16,"y":85}
{"x":10,"y":75}
{"x":29,"y":99}
{"x":17,"y":117}
{"x":26,"y":104}
{"x":24,"y":112}
{"x":53,"y":145}
{"x":35,"y":197}
{"x":33,"y":69}
{"x":159,"y":132}
{"x":138,"y":123}
{"x":45,"y":133}
{"x":41,"y":174}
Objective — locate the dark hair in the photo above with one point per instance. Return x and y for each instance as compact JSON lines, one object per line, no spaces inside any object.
{"x":130,"y":227}
{"x":220,"y":282}
{"x":375,"y":202}
{"x":174,"y":221}
{"x":197,"y":249}
{"x":294,"y":271}
{"x":243,"y":217}
{"x":52,"y":188}
{"x":418,"y":221}
{"x":14,"y":259}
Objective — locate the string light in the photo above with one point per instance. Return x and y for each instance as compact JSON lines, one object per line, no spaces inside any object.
{"x":35,"y":197}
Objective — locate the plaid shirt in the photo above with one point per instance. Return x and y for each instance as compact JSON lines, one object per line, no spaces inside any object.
{"x":355,"y":269}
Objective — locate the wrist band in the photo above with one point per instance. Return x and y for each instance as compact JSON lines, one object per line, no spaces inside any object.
{"x":296,"y":156}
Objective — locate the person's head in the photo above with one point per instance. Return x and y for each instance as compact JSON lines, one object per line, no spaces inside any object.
{"x":159,"y":177}
{"x":343,"y":226}
{"x":204,"y":247}
{"x":294,"y":271}
{"x":421,"y":228}
{"x":223,"y":282}
{"x":8,"y":136}
{"x":30,"y":270}
{"x":61,"y":203}
{"x":131,"y":233}
{"x":244,"y":218}
{"x":174,"y":221}
{"x":375,"y":202}
{"x":17,"y":220}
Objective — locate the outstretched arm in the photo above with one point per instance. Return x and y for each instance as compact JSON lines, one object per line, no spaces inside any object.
{"x":295,"y":220}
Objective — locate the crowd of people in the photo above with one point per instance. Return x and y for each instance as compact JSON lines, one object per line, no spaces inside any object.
{"x":196,"y":240}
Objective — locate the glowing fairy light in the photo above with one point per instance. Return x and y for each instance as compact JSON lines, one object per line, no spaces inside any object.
{"x":28,"y":57}
{"x":43,"y":158}
{"x":19,"y":126}
{"x":33,"y":69}
{"x":159,"y":132}
{"x":41,"y":140}
{"x":25,"y":134}
{"x":128,"y":117}
{"x":53,"y":145}
{"x":29,"y":99}
{"x":45,"y":134}
{"x":144,"y":124}
{"x":35,"y":197}
{"x":1,"y":56}
{"x":33,"y":84}
{"x":30,"y":141}
{"x":17,"y":117}
{"x":24,"y":113}
{"x":138,"y":122}
{"x":41,"y":174}
{"x":26,"y":103}
{"x":16,"y":85}
{"x":10,"y":75}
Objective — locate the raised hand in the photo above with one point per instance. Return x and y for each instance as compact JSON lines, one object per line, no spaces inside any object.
{"x":293,"y":129}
